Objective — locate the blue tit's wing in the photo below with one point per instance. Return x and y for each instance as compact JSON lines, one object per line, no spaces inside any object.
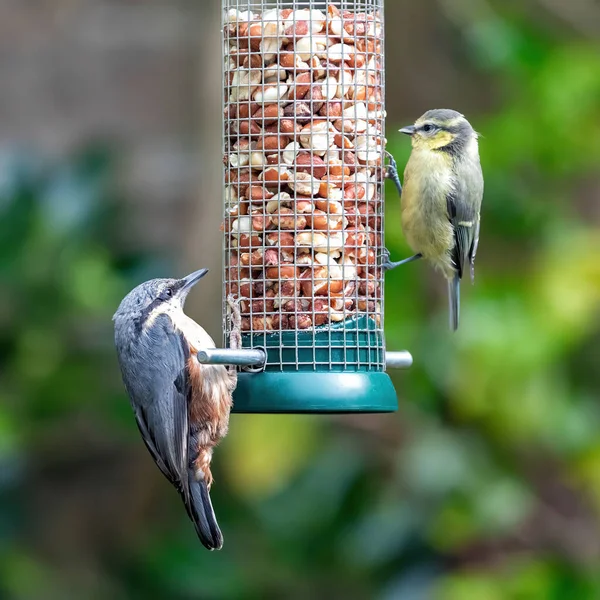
{"x":473,"y":251}
{"x":464,"y":203}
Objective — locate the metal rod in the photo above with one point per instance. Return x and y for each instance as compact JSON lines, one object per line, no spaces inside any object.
{"x":257,"y":356}
{"x":226,"y":356}
{"x":398,"y":360}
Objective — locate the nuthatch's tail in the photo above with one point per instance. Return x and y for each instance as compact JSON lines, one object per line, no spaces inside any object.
{"x":454,"y":300}
{"x":201,"y":512}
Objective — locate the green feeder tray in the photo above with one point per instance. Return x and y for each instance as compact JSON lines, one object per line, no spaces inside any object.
{"x":333,"y":369}
{"x":288,"y":392}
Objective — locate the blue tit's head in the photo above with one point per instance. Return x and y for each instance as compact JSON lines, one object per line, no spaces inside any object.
{"x":441,"y":129}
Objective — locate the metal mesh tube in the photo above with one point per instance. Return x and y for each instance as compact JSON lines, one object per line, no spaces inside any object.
{"x":303,"y":153}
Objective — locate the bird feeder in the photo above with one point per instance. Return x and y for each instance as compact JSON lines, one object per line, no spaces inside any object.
{"x":304,"y":154}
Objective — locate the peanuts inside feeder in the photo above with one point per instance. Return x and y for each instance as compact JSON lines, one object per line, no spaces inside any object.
{"x":304,"y":125}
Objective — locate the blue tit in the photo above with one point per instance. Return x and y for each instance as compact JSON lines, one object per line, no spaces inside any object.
{"x":441,"y":198}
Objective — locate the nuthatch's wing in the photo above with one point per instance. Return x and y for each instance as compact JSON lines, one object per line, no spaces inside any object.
{"x":160,"y":402}
{"x":159,"y":386}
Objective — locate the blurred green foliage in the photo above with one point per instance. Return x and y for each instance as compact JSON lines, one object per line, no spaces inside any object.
{"x":486,"y":485}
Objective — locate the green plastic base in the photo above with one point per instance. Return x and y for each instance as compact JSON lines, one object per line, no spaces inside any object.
{"x":304,"y":392}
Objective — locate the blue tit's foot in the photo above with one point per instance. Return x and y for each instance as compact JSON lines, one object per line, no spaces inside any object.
{"x":392,"y":172}
{"x":388,"y":265}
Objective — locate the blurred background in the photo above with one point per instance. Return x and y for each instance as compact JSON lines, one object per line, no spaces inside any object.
{"x":484,"y":486}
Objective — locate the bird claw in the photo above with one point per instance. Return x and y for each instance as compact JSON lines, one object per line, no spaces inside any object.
{"x":392,"y":172}
{"x":235,"y":333}
{"x":388,"y":265}
{"x":385,"y":259}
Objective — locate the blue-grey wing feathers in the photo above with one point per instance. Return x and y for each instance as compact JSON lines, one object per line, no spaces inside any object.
{"x":454,"y":301}
{"x":463,"y":204}
{"x":473,"y":252}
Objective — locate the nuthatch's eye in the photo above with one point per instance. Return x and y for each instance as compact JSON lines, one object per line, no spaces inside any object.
{"x":167,"y":293}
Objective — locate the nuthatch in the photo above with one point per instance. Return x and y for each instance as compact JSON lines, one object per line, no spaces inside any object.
{"x":181,"y":407}
{"x":441,"y":199}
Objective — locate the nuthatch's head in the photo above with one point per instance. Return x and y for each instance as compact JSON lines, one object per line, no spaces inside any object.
{"x":441,"y":129}
{"x":157,"y":294}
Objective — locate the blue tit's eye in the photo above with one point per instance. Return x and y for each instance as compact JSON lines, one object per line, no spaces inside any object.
{"x":428,"y":128}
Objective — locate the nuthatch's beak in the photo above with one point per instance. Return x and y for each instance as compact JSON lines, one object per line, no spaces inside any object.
{"x":190,"y":281}
{"x":408,"y":130}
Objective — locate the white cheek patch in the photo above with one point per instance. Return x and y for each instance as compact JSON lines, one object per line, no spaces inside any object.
{"x":472,"y":146}
{"x":152,"y":317}
{"x":193,"y":332}
{"x":164,"y":308}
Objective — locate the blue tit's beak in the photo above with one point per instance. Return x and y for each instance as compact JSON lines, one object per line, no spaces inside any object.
{"x":187,"y":283}
{"x":408,"y":130}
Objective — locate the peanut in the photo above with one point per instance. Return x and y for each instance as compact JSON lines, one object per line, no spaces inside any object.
{"x":304,"y":165}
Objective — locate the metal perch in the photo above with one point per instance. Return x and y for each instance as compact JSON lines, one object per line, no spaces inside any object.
{"x":257,"y":357}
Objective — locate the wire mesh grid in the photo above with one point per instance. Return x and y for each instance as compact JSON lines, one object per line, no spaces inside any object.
{"x":303,"y":153}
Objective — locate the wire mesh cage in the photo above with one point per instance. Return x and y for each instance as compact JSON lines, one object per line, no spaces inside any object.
{"x":304,"y":148}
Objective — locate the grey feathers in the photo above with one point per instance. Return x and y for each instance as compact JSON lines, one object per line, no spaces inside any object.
{"x":151,"y":363}
{"x":441,"y":115}
{"x":138,"y":304}
{"x":454,"y":301}
{"x":464,"y":204}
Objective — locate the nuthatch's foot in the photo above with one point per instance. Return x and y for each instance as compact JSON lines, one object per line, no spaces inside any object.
{"x":235,"y":334}
{"x":392,"y":172}
{"x":388,"y":265}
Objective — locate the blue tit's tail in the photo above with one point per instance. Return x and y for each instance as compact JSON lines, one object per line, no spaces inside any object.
{"x":454,"y":300}
{"x":201,"y":512}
